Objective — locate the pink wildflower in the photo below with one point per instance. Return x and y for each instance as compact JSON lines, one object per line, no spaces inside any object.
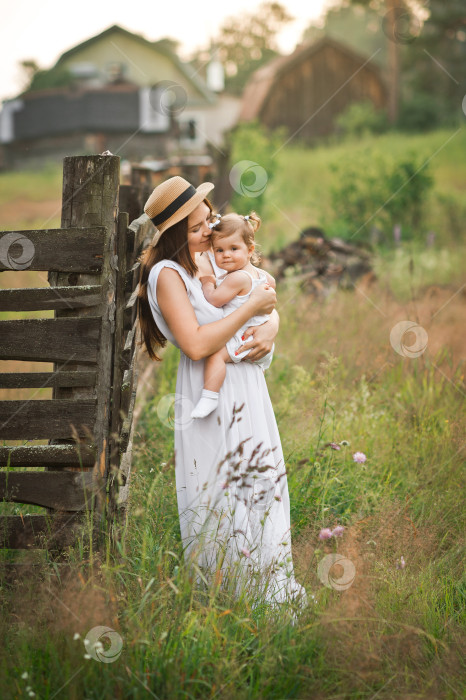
{"x":335,"y":446}
{"x":338,"y":531}
{"x":325,"y":534}
{"x":401,"y":564}
{"x":246,"y":552}
{"x":359,"y":457}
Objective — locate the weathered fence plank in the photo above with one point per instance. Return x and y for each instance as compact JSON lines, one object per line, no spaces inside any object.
{"x":45,"y":380}
{"x":127,"y":388}
{"x":130,"y":201}
{"x":55,"y":339}
{"x":35,"y":531}
{"x":77,"y":249}
{"x":128,"y":422}
{"x":119,"y":363}
{"x":130,"y":311}
{"x":36,"y":299}
{"x":130,"y":340}
{"x":57,"y":456}
{"x":39,"y":419}
{"x":60,"y":490}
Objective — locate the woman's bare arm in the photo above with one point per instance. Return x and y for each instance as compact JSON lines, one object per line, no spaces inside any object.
{"x":200,"y":341}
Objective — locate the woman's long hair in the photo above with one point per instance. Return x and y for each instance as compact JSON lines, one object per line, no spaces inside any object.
{"x":172,"y":245}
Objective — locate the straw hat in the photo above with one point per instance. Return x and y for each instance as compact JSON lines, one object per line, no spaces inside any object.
{"x":172,"y":200}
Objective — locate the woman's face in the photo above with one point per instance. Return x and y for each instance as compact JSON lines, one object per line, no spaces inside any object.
{"x":199,"y":233}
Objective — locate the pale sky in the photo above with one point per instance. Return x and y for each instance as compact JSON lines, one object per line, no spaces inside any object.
{"x":44,"y":29}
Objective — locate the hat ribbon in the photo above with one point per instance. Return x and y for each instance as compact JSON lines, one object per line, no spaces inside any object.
{"x":182,"y":198}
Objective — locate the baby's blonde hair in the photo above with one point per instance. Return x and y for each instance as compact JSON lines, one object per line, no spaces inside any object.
{"x":235,"y":223}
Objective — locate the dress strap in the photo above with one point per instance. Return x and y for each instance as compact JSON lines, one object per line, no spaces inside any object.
{"x":262,"y":276}
{"x":248,"y":273}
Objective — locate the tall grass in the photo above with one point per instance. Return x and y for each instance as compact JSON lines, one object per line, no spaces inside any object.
{"x":335,"y":378}
{"x":31,"y":185}
{"x":394,"y":631}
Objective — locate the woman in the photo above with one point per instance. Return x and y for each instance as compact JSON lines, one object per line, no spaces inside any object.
{"x":231,"y":481}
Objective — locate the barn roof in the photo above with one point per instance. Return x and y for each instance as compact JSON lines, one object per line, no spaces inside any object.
{"x":262,"y":80}
{"x":156,"y":46}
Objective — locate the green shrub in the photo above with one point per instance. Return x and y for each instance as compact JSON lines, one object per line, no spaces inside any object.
{"x":421,"y":112}
{"x":377,"y":190}
{"x":53,"y":78}
{"x":250,"y":143}
{"x":360,"y":118}
{"x":451,"y":213}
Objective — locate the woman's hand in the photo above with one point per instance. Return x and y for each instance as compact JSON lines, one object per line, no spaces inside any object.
{"x":260,"y":339}
{"x":263,"y":299}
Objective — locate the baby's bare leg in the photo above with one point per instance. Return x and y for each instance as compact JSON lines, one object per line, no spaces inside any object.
{"x":214,"y":375}
{"x":215,"y":370}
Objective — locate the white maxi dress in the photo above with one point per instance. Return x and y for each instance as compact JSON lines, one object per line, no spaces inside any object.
{"x":231,"y":482}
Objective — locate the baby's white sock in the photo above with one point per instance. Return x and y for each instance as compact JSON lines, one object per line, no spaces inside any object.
{"x":206,"y":404}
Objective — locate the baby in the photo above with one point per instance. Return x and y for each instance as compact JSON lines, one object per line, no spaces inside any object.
{"x":234,"y":249}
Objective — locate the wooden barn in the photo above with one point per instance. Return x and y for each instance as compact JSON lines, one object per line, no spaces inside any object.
{"x":306,"y":90}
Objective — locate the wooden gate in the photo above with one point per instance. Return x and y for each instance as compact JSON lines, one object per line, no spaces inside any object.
{"x":92,"y":271}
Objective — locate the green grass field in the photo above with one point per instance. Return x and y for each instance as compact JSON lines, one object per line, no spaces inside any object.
{"x":395,"y":632}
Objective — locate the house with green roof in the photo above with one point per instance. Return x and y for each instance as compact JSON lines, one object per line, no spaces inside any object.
{"x":117,"y":91}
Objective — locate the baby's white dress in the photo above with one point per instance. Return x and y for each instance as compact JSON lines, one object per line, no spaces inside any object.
{"x":231,"y":482}
{"x":237,"y":301}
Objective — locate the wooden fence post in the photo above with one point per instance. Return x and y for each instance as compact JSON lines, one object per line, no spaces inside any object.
{"x":90,"y":198}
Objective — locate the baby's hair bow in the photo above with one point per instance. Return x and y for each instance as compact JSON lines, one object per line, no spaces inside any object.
{"x":217,"y":221}
{"x":246,"y":218}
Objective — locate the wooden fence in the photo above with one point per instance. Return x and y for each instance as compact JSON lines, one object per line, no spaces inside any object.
{"x":91,"y":340}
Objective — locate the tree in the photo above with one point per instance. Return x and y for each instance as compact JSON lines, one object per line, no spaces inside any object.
{"x":358,"y":27}
{"x":424,"y":54}
{"x":438,"y":57}
{"x":168,"y":44}
{"x":29,"y":69}
{"x":400,"y":23}
{"x":37,"y":78}
{"x":245,"y":42}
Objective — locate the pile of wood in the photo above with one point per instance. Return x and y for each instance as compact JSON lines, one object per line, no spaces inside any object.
{"x":320,"y":264}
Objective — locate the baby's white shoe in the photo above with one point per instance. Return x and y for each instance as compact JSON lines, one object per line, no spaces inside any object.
{"x":206,"y":404}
